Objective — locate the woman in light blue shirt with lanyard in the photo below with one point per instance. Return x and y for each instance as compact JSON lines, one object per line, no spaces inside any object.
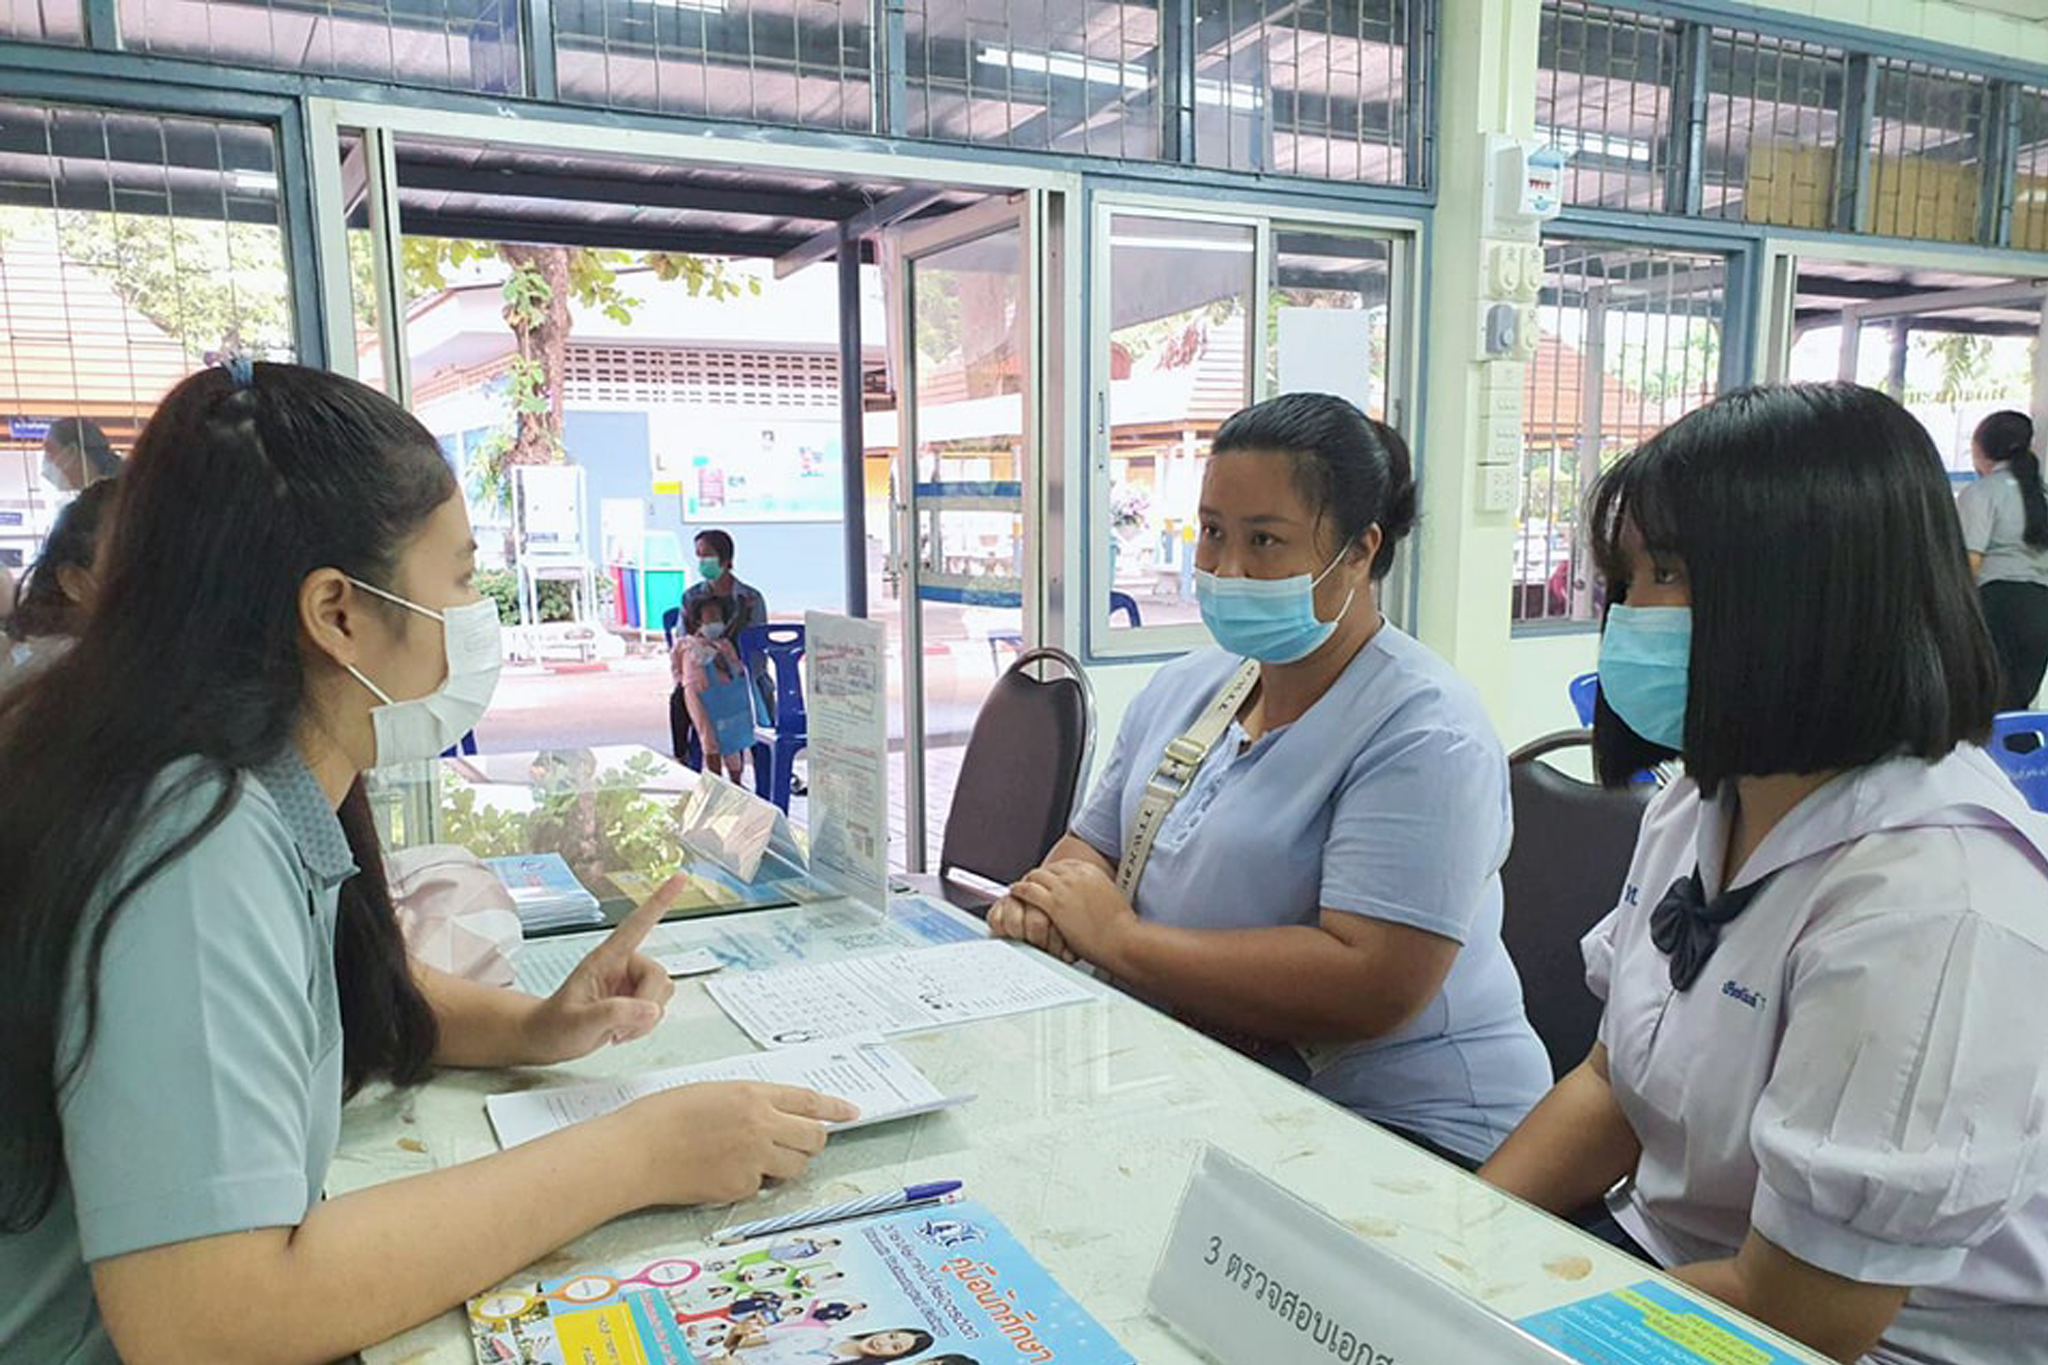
{"x":1297,"y":839}
{"x":198,"y":955}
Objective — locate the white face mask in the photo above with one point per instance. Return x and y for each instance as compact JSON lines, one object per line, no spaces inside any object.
{"x":426,"y":727}
{"x":714,"y":630}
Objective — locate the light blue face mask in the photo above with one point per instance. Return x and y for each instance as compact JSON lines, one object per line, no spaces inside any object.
{"x":1272,"y":620}
{"x":1645,"y":658}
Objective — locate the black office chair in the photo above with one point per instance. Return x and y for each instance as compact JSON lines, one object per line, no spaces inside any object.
{"x":1573,"y":841}
{"x":1018,"y":779}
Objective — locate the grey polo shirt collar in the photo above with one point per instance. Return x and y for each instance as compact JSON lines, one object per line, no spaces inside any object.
{"x":309,"y":817}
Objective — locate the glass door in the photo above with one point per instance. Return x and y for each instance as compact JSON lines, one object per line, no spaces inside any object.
{"x":967,"y":311}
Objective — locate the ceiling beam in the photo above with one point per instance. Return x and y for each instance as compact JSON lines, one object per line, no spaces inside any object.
{"x":874,"y":218}
{"x":574,"y":232}
{"x":514,"y":182}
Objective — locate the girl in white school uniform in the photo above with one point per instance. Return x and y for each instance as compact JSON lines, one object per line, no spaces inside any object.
{"x":198,"y":955}
{"x":1821,"y":1071}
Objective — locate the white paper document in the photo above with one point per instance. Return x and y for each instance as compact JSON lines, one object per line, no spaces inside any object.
{"x":882,"y":1082}
{"x":892,"y":992}
{"x":751,"y":942}
{"x":687,"y":961}
{"x":847,"y":746}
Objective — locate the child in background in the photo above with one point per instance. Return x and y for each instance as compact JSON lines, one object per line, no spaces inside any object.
{"x":701,"y":656}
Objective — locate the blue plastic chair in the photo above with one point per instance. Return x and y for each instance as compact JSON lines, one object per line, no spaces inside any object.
{"x":2019,"y":744}
{"x":671,"y":622}
{"x":777,"y":651}
{"x":1585,"y":691}
{"x":1013,"y":640}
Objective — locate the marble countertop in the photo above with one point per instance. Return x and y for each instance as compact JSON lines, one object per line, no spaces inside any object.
{"x":1086,"y":1127}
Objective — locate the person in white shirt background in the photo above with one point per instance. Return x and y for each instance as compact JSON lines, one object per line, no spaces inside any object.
{"x":2005,"y":530}
{"x":1820,"y":1067}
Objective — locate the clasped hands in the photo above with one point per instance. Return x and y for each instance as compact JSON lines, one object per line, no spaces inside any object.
{"x":1070,"y":909}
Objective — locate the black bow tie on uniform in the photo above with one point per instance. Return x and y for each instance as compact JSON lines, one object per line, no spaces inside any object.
{"x":1687,"y":929}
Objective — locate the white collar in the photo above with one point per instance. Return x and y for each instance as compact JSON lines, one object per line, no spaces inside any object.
{"x":1964,"y":790}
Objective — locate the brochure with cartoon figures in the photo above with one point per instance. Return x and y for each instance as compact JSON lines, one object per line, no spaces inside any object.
{"x":943,"y":1285}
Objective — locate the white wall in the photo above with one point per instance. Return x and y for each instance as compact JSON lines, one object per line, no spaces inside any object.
{"x":1116,"y":686}
{"x":1540,"y":669}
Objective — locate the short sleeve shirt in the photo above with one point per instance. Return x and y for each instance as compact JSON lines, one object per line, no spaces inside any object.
{"x":746,"y":606}
{"x":209,"y":1099}
{"x":1857,"y":1075}
{"x":1994,"y":526}
{"x":1388,"y":798}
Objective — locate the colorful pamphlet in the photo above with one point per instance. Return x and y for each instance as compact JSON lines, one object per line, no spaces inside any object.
{"x":939,"y":1285}
{"x":545,"y":892}
{"x":1649,"y":1324}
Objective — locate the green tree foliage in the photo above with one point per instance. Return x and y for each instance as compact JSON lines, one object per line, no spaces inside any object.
{"x":541,"y":287}
{"x":210,"y":286}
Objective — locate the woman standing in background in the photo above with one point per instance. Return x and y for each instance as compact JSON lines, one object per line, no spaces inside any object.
{"x":2005,"y":529}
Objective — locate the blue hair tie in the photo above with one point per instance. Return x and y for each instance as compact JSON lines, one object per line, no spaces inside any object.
{"x":241,"y":370}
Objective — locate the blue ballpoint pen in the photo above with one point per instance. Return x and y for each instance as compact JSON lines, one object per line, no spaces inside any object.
{"x":908,"y":1197}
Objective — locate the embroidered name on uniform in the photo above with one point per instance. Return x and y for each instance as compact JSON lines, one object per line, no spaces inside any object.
{"x":1743,"y":993}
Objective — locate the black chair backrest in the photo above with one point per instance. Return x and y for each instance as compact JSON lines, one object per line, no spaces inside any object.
{"x":1021,"y":771}
{"x":1573,"y":842}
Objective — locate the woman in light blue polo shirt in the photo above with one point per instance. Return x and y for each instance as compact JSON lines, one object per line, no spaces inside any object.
{"x":1325,"y":893}
{"x":198,"y":954}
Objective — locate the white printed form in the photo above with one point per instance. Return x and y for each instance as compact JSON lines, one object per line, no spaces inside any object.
{"x":879,"y":1080}
{"x":892,"y":992}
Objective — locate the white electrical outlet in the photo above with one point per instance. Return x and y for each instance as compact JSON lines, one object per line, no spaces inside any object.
{"x":1500,"y":487}
{"x":1507,"y":269}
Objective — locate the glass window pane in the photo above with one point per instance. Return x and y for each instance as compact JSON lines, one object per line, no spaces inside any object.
{"x":1926,"y":152}
{"x":802,"y":63}
{"x":140,"y":248}
{"x":1630,"y":339}
{"x":2030,"y":192}
{"x":458,"y":44}
{"x":1773,"y":119}
{"x":1180,"y":346}
{"x":967,"y":384}
{"x":1315,"y":90}
{"x":43,"y":21}
{"x":1603,"y":95}
{"x":1326,"y":274}
{"x":1075,"y":76}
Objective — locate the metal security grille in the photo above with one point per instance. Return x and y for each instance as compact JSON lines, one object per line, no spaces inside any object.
{"x":133,"y":249}
{"x":675,"y":376}
{"x":459,"y":44}
{"x":1926,"y":152}
{"x":1324,"y":88}
{"x":1076,"y":76}
{"x":42,"y":21}
{"x":804,"y":63}
{"x":1772,"y":122}
{"x":1604,"y":95}
{"x":2030,"y":187}
{"x":1630,"y":340}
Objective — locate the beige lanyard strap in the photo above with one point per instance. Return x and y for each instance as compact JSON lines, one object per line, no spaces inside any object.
{"x":1176,"y":772}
